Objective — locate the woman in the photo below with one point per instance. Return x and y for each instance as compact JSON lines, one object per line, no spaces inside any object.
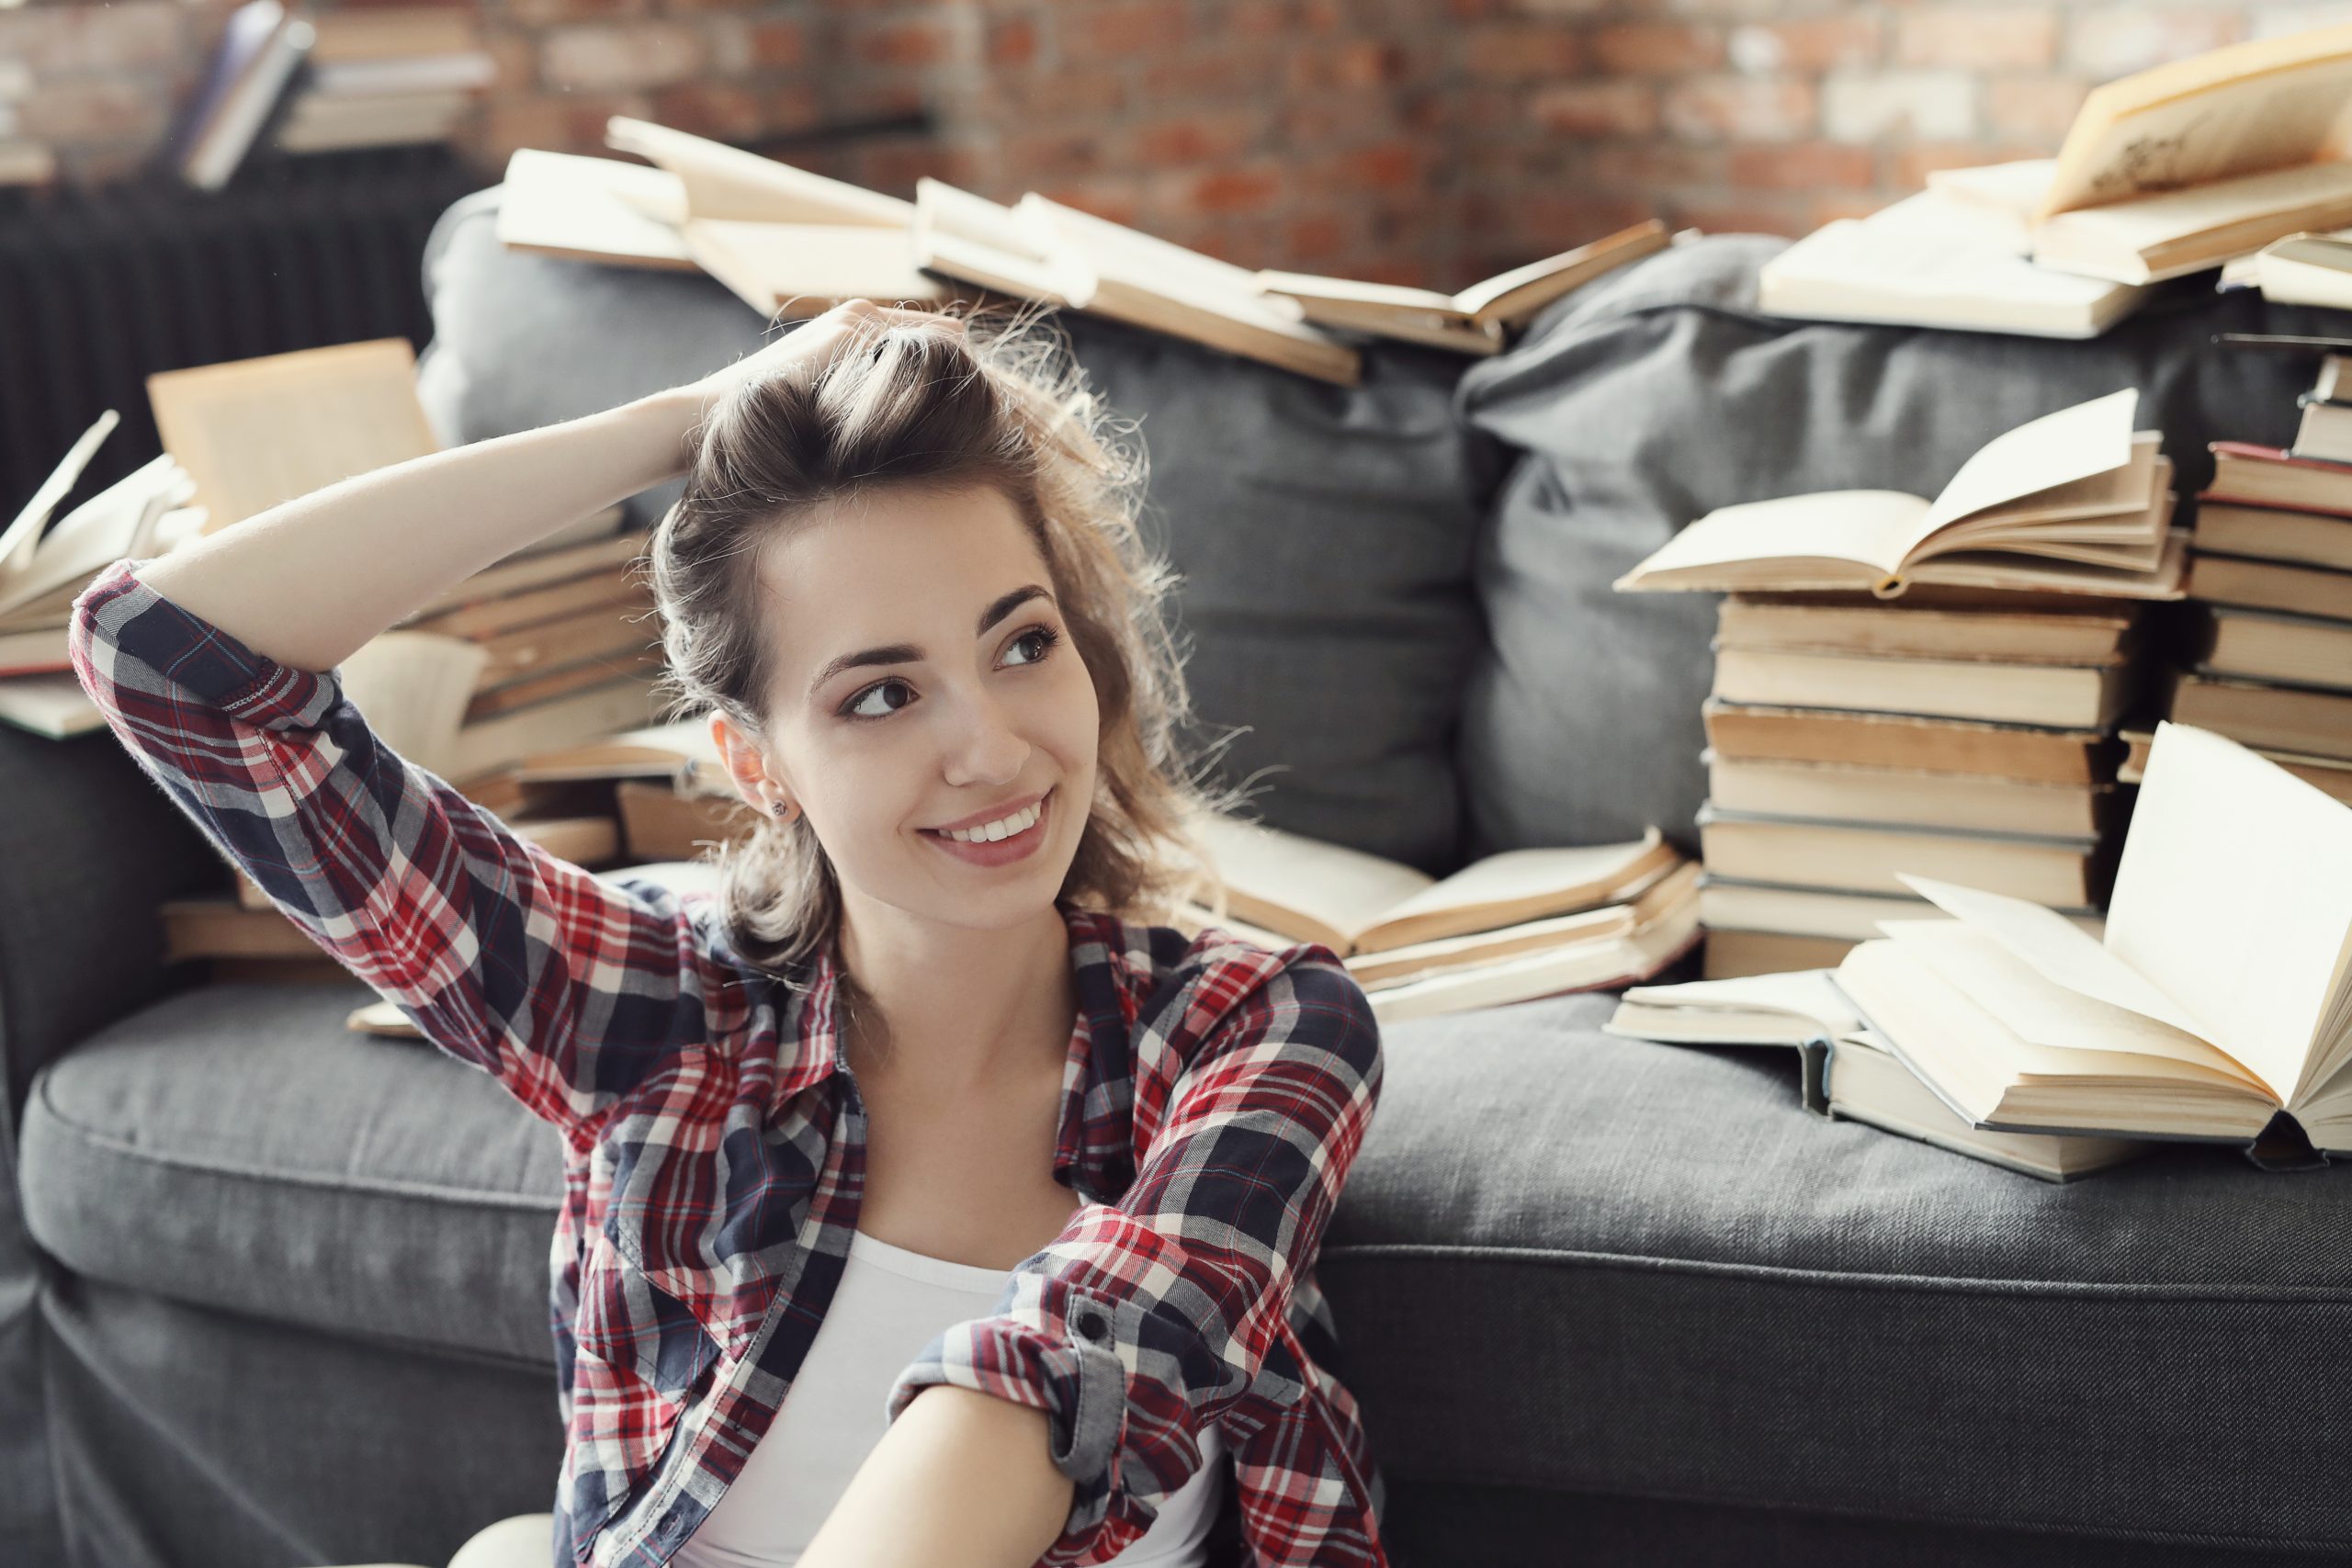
{"x":924,"y":1203}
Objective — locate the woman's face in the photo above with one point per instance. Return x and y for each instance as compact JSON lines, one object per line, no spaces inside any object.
{"x":925,"y":674}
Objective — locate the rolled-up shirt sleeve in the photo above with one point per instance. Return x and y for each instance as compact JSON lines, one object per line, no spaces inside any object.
{"x":1138,"y":1327}
{"x":566,"y":988}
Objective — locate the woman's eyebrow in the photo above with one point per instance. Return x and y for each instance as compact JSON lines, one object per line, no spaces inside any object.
{"x":908,"y":653}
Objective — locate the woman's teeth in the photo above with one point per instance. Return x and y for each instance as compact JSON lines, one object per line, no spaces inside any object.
{"x":1004,"y":828}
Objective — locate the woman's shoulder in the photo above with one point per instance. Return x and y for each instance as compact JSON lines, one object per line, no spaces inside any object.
{"x":1192,"y":982}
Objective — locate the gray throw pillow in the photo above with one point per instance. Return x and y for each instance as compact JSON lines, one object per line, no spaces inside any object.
{"x":1659,"y":394}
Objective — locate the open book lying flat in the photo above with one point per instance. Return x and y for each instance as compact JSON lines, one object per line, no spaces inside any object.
{"x":2217,"y":1008}
{"x":2073,"y":502}
{"x":1844,"y":1067}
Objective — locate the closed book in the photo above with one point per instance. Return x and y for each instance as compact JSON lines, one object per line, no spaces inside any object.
{"x":2271,"y":585}
{"x":2087,"y":631}
{"x":1729,"y":954}
{"x":659,"y":823}
{"x":2272,"y":532}
{"x":2271,"y":476}
{"x":2024,"y":752}
{"x":1730,"y":903}
{"x":1838,"y":792}
{"x":2216,"y":1007}
{"x":2051,"y":695}
{"x":2262,"y":645}
{"x":1873,"y":857}
{"x":2273,"y":716}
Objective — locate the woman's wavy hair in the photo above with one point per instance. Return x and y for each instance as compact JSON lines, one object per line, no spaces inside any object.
{"x":1000,"y":402}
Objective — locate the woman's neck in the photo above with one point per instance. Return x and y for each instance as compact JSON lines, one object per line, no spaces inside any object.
{"x":957,"y":1002}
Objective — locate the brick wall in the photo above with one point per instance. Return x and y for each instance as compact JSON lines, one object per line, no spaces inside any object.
{"x":1415,"y":141}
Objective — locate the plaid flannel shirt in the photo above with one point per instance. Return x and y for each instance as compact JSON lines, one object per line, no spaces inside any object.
{"x":1214,"y":1098}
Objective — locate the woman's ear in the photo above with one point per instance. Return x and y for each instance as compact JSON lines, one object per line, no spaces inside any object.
{"x":745,"y":765}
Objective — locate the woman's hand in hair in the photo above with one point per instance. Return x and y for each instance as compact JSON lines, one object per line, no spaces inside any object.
{"x":811,"y":345}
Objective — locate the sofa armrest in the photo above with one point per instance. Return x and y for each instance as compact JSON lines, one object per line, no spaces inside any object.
{"x":88,"y":847}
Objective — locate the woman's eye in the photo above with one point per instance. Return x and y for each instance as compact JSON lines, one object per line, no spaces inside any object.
{"x":1046,"y":638}
{"x":856,"y":707}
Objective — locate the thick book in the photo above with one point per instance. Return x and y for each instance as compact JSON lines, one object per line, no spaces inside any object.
{"x":1731,"y":903}
{"x":2059,"y":630}
{"x":1874,"y":856}
{"x":680,"y":754}
{"x":2217,"y":1008}
{"x":2254,"y":475}
{"x":2271,"y":585}
{"x":2075,"y":498}
{"x":1355,"y":903}
{"x":1912,"y":796}
{"x":1846,"y":1069}
{"x":2263,"y":646}
{"x":2305,"y":537}
{"x":2303,"y":269}
{"x":2264,"y":714}
{"x":1928,"y":261}
{"x":2055,"y":696}
{"x":2024,"y":752}
{"x":1731,"y":955}
{"x":1475,"y":319}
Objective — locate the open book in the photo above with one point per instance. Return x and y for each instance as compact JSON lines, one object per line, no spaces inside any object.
{"x":1355,"y":903}
{"x":1039,"y":248}
{"x":2072,"y":501}
{"x":46,"y":563}
{"x":2218,"y":1007}
{"x":1844,"y":1067}
{"x":1475,"y":319}
{"x":2182,"y":167}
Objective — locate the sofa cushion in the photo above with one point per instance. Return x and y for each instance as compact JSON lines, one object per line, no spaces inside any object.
{"x":1568,"y":1260}
{"x":1659,"y":394}
{"x":1323,"y":533}
{"x":236,"y":1146}
{"x":1565,"y":1261}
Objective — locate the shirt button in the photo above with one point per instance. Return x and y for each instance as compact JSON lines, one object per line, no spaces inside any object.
{"x":1092,"y":1327}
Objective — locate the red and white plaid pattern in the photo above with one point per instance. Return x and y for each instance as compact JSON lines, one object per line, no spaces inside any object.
{"x":1214,"y":1096}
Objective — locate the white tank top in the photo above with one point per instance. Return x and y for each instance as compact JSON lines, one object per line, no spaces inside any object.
{"x":889,"y":1305}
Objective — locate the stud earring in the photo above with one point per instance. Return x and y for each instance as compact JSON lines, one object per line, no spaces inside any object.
{"x":786,"y":811}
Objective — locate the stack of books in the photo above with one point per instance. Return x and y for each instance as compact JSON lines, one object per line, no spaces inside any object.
{"x":383,"y":77}
{"x":1509,"y":928}
{"x":2175,"y":170}
{"x":778,"y":236}
{"x":1935,"y":687}
{"x":2215,"y":1006}
{"x":2267,"y":652}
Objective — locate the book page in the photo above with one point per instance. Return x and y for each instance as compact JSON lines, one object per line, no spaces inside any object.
{"x":1342,"y":888}
{"x":1804,"y":995}
{"x":1940,"y":251}
{"x":2149,"y":223}
{"x":727,"y":182}
{"x":2234,"y":895}
{"x":2261,"y":105}
{"x":1865,"y":526}
{"x":2042,"y":454}
{"x":566,"y":205}
{"x":1591,"y":871}
{"x":413,"y":688}
{"x":23,"y":537}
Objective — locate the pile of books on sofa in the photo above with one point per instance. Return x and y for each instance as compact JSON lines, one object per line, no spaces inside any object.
{"x":2171,"y":172}
{"x":2266,"y":656}
{"x":784,"y":238}
{"x":2215,"y":1006}
{"x":1925,"y":686}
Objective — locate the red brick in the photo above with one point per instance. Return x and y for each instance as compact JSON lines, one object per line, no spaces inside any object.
{"x":1597,"y":109}
{"x":1740,"y":109}
{"x":778,"y":43}
{"x":1807,"y":43}
{"x":1117,"y":199}
{"x":1260,"y":186}
{"x":1389,"y":166}
{"x":1804,"y":165}
{"x":1033,"y":155}
{"x":1313,"y":240}
{"x":92,"y":109}
{"x":571,"y":122}
{"x":1016,"y":98}
{"x":1655,"y":164}
{"x":550,"y":13}
{"x":1013,"y":42}
{"x":1844,"y":204}
{"x":1123,"y":28}
{"x":1657,"y":48}
{"x":517,"y":58}
{"x":1912,"y":165}
{"x":1738,"y":216}
{"x":1332,"y":118}
{"x":1196,"y":138}
{"x":724,"y":111}
{"x":902,"y":44}
{"x":1977,"y":37}
{"x":62,"y":40}
{"x":2033,"y":108}
{"x":1518,"y":53}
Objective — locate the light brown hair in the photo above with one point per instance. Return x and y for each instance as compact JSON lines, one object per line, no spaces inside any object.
{"x":1001,"y":403}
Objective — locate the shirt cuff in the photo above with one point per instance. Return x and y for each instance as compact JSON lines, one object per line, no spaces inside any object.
{"x":129,"y":636}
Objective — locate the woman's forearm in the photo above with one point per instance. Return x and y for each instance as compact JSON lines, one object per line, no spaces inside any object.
{"x":960,"y":1479}
{"x":310,"y":579}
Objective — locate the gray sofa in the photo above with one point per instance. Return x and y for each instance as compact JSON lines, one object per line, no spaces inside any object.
{"x":271,"y":1294}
